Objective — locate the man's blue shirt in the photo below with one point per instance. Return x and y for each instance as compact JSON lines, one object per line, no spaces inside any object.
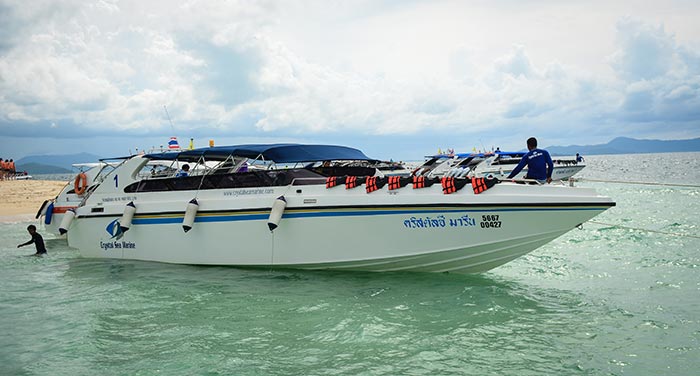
{"x":537,"y":161}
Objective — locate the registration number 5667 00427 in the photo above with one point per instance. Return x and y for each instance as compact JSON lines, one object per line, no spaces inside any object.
{"x":490,"y":221}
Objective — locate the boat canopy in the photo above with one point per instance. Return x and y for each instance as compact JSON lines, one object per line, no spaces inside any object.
{"x":467,"y":155}
{"x":278,"y":153}
{"x":512,"y":154}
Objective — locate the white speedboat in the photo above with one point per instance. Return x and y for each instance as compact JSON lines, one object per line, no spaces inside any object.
{"x":295,"y":217}
{"x":455,"y":165}
{"x":501,"y":164}
{"x":495,"y":165}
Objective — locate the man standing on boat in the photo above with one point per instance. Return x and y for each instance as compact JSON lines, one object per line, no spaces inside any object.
{"x":539,"y":163}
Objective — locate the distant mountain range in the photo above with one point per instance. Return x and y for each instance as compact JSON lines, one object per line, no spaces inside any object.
{"x":626,"y":145}
{"x":53,"y":164}
{"x":59,"y":164}
{"x":38,"y":168}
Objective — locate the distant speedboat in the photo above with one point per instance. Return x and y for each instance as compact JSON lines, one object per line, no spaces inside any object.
{"x":500,"y":165}
{"x":495,"y":165}
{"x":284,"y":213}
{"x":456,"y":165}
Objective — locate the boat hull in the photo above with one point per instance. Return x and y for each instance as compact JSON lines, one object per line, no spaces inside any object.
{"x":463,"y":233}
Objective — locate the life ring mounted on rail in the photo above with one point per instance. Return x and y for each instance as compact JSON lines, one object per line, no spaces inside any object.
{"x":80,"y":183}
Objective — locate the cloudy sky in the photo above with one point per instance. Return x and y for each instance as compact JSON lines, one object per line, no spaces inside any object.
{"x":397,"y":79}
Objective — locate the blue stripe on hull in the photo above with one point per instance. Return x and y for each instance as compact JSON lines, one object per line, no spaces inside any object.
{"x":356,"y":213}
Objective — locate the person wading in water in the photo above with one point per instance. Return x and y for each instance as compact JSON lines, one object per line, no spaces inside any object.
{"x":37,"y":240}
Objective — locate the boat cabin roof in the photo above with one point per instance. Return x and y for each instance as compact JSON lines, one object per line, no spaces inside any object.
{"x":278,"y":153}
{"x":480,"y":155}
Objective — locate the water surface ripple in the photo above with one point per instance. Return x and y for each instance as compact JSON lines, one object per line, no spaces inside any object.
{"x":601,"y":300}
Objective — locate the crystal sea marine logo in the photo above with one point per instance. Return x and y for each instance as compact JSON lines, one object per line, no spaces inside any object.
{"x":114,"y":229}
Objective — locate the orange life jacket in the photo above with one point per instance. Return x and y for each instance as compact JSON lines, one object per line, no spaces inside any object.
{"x":371,"y":184}
{"x":448,"y":185}
{"x":479,"y":185}
{"x":424,"y":182}
{"x":394,"y":182}
{"x":351,"y":182}
{"x":418,"y":182}
{"x":332,"y":181}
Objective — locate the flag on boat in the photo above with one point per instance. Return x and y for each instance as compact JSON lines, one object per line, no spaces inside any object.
{"x":172,"y":144}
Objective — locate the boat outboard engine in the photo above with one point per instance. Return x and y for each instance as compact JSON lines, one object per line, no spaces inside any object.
{"x":127,"y":217}
{"x":190,"y":213}
{"x":276,"y":213}
{"x":67,"y":220}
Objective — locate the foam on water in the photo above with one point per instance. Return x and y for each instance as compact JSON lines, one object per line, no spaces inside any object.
{"x":601,"y":300}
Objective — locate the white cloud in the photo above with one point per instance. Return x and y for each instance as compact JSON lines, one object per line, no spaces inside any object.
{"x":516,"y":64}
{"x":658,"y":75}
{"x":367,"y":68}
{"x":646,"y":51}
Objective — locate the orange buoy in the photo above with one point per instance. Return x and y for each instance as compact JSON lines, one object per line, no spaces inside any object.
{"x":80,"y":183}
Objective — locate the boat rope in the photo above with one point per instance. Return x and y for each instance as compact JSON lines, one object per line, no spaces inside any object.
{"x":272,"y":254}
{"x":201,"y":162}
{"x":645,"y":230}
{"x":639,"y":182}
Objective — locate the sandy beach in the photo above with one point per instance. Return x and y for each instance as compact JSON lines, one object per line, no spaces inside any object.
{"x":21,"y":198}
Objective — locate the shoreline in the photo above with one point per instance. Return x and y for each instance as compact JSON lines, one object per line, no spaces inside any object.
{"x":22,"y":198}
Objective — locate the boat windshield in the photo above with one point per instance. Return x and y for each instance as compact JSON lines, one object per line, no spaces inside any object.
{"x":470,"y":162}
{"x":159,"y":176}
{"x":508,"y":159}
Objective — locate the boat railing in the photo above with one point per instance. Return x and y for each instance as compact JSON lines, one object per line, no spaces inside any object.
{"x":526,"y":181}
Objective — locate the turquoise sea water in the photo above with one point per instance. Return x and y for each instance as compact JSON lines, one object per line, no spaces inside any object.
{"x":603,"y":300}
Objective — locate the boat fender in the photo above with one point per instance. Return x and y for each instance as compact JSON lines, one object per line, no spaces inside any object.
{"x":276,"y":213}
{"x":127,"y":217}
{"x":190,"y":214}
{"x":49,"y":214}
{"x":42,"y":209}
{"x":67,"y":220}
